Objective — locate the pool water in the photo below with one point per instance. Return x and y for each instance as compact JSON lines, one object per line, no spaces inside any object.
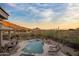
{"x":34,"y":46}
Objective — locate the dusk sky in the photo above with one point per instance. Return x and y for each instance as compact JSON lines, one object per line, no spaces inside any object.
{"x":44,"y":16}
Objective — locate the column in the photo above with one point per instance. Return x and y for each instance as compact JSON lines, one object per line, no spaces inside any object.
{"x":1,"y":38}
{"x":9,"y":35}
{"x":1,"y":35}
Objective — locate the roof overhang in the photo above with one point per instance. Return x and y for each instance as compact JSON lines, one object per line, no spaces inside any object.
{"x":3,"y":14}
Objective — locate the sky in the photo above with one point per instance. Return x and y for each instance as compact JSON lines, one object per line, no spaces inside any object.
{"x":43,"y":15}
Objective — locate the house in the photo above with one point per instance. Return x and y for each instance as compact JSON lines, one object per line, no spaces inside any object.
{"x":3,"y":16}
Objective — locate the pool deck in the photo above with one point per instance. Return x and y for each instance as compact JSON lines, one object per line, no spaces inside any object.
{"x":22,"y":44}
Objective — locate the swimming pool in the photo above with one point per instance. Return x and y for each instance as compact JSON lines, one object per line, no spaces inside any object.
{"x":34,"y":46}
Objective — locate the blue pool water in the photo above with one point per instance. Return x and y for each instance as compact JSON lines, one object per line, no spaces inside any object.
{"x":34,"y":46}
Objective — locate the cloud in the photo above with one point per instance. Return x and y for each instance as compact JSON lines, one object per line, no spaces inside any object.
{"x":71,"y":14}
{"x":70,"y":18}
{"x":48,"y":15}
{"x":44,"y":12}
{"x":12,"y":4}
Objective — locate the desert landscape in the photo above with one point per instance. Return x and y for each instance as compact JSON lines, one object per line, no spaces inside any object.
{"x":41,"y":40}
